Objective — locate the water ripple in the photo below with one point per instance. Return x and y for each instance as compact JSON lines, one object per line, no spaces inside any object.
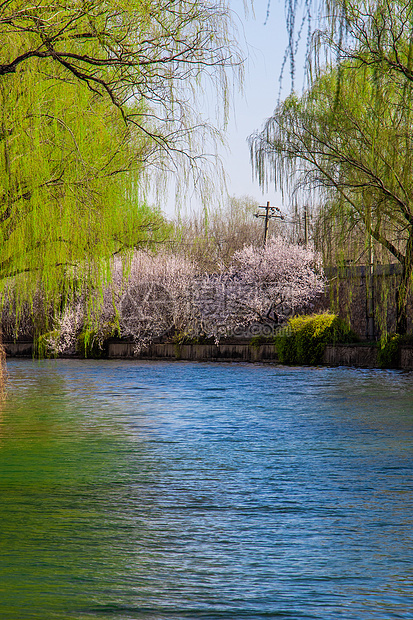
{"x":156,"y":491}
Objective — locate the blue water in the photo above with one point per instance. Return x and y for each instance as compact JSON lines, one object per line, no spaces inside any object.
{"x":152,"y":491}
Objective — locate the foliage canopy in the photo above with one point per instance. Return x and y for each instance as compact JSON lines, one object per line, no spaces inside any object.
{"x":347,"y":139}
{"x":97,"y":101}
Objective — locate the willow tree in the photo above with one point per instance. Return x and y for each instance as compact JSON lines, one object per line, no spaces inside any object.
{"x":97,"y":101}
{"x":354,"y":151}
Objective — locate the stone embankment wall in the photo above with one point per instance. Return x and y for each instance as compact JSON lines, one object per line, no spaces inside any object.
{"x":239,"y":352}
{"x":19,"y":348}
{"x":357,"y":355}
{"x":364,"y":356}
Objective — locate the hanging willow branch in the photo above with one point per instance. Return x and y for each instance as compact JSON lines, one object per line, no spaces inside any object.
{"x":347,"y":142}
{"x":98,"y":101}
{"x":353,"y":151}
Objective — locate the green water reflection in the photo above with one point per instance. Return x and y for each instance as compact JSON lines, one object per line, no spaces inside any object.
{"x":66,"y":481}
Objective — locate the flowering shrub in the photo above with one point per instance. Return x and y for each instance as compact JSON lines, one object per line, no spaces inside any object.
{"x":262,"y":286}
{"x":159,"y":295}
{"x":143,"y":300}
{"x":154,"y":296}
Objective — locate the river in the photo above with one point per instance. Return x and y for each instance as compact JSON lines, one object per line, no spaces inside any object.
{"x":165,"y":491}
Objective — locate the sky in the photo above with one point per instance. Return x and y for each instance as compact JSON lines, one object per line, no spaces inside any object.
{"x":263,"y":41}
{"x":264,"y":47}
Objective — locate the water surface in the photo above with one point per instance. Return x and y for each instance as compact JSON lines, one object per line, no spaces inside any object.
{"x":152,"y":491}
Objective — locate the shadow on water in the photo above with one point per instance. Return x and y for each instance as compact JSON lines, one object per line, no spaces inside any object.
{"x":153,"y":491}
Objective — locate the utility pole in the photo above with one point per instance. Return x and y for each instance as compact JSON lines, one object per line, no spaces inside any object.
{"x":270,"y":212}
{"x":305,"y":226}
{"x":370,"y":293}
{"x":370,"y":282}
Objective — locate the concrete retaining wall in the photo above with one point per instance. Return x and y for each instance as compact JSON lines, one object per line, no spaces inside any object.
{"x":361,"y":356}
{"x":19,"y":349}
{"x":406,"y":357}
{"x":198,"y":352}
{"x":357,"y":355}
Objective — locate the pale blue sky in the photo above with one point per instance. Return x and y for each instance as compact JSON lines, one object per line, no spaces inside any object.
{"x":263,"y":45}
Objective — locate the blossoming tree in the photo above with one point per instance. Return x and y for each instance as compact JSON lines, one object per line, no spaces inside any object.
{"x":262,"y":286}
{"x":165,"y":294}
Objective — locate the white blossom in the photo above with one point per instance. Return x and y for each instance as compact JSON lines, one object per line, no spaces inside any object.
{"x":159,"y":295}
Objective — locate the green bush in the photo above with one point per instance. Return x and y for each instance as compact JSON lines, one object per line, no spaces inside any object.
{"x":180,"y":338}
{"x":388,"y":353}
{"x":91,"y":344}
{"x":43,"y":345}
{"x":304,"y":338}
{"x":257,"y":341}
{"x":88,"y":345}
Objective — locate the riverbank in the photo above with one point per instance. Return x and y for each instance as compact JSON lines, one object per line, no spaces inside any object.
{"x":360,"y":355}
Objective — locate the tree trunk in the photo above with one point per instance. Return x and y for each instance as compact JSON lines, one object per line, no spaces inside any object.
{"x":404,"y":288}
